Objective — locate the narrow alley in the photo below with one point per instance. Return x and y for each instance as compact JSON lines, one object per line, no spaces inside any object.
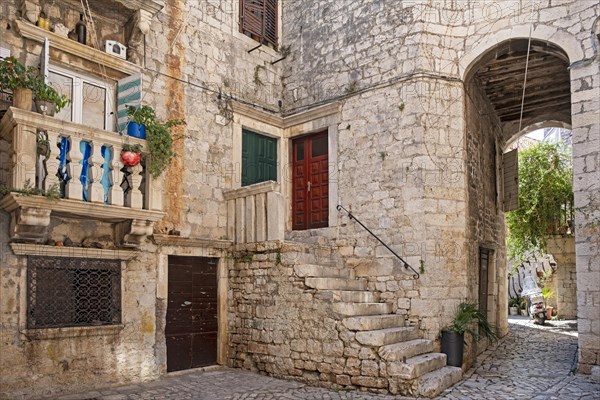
{"x":531,"y":362}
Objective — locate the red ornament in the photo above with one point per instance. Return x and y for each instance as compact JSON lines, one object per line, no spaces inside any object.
{"x":130,"y":158}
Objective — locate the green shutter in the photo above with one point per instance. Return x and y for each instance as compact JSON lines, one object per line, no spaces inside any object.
{"x":259,"y":158}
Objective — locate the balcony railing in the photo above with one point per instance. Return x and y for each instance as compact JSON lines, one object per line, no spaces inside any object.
{"x":255,"y":213}
{"x":80,"y":162}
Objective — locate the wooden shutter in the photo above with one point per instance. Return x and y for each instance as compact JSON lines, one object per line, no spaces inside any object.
{"x":259,"y":158}
{"x":258,"y":19}
{"x":129,"y":92}
{"x":510,"y":168}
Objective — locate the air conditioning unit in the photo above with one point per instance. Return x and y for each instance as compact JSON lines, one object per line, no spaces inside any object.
{"x":116,"y":49}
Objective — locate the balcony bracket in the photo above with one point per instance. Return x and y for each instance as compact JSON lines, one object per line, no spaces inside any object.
{"x":29,"y":225}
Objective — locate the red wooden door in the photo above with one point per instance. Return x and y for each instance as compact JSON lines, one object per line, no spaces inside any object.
{"x":310,"y":182}
{"x":192,"y":326}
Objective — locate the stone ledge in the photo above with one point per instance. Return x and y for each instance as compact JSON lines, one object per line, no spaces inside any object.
{"x":72,"y":331}
{"x":171,"y":240}
{"x":76,"y":208}
{"x":30,"y":31}
{"x":251,"y":190}
{"x":28,"y":249}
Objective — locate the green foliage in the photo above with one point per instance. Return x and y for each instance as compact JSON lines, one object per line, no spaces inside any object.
{"x":53,"y":193}
{"x":43,"y":91}
{"x":136,"y":148}
{"x":545,"y":200}
{"x":468,"y":316}
{"x":158,"y":137}
{"x":144,"y":115}
{"x":160,"y":145}
{"x":514,"y":302}
{"x":14,"y":75}
{"x":547,"y":293}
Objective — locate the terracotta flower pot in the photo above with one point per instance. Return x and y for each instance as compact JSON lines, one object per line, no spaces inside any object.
{"x":22,"y":98}
{"x":45,"y":107}
{"x":130,"y":158}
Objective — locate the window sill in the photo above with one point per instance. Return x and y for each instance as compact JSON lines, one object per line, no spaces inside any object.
{"x":71,"y":332}
{"x":30,"y":31}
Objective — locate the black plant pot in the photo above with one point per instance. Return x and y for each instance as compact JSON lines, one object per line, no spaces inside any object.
{"x":453,"y":344}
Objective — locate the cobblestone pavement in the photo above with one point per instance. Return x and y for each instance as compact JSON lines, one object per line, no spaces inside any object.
{"x":530,"y":363}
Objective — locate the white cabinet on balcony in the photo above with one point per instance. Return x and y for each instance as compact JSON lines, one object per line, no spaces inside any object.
{"x":84,"y":165}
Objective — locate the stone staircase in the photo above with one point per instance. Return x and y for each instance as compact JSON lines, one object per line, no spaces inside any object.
{"x":410,"y":364}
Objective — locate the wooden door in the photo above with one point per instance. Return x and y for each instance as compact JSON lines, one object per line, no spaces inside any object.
{"x":192,"y":326}
{"x":310,"y":182}
{"x":484,"y":259}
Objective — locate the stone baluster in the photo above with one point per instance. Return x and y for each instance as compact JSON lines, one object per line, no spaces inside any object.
{"x":52,"y":162}
{"x":115,"y":195}
{"x":24,"y":156}
{"x":96,"y":191}
{"x":135,"y":198}
{"x":154,"y":192}
{"x":74,"y":188}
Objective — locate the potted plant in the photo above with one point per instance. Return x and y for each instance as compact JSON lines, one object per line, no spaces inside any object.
{"x":20,"y":80}
{"x":468,"y":318}
{"x":523,"y":307}
{"x":513,"y":305}
{"x":160,"y":145}
{"x":47,"y":100}
{"x":548,"y":294}
{"x":131,"y":154}
{"x":139,"y":118}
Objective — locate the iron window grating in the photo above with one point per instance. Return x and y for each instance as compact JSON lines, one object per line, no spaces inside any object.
{"x":71,"y":292}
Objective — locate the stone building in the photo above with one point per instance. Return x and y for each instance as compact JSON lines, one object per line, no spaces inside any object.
{"x":400,"y":111}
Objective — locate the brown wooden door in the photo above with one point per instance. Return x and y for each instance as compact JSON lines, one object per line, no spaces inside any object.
{"x":310,"y":182}
{"x":484,"y":259}
{"x":192,"y":327}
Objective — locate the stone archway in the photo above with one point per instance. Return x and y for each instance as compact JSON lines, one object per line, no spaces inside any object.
{"x":564,"y":90}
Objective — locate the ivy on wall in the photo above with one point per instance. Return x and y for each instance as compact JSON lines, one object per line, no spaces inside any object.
{"x":545,"y":200}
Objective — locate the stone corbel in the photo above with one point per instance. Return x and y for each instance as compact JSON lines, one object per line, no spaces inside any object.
{"x":30,"y":9}
{"x":138,"y":28}
{"x":29,"y":224}
{"x":132,"y":232}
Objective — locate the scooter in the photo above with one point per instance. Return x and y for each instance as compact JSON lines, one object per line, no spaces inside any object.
{"x":535,"y":300}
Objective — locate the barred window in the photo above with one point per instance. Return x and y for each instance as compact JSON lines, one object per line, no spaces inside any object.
{"x":65,"y":292}
{"x":258,"y":19}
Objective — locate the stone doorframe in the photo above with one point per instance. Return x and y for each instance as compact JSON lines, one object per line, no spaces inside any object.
{"x":584,"y":64}
{"x":192,"y":247}
{"x":326,"y":117}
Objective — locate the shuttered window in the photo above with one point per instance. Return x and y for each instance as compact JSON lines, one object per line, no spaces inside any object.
{"x":259,"y":158}
{"x":510,"y":167}
{"x":258,"y":19}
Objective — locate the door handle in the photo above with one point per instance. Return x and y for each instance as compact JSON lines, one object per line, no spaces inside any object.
{"x":308,"y":186}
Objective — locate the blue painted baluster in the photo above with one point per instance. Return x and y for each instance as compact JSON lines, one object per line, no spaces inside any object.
{"x":63,"y":170}
{"x":105,"y":181}
{"x":84,"y":177}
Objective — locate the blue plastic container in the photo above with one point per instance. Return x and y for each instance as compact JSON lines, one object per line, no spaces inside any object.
{"x":136,"y":130}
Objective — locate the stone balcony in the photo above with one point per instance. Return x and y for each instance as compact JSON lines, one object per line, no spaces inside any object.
{"x":82,"y":164}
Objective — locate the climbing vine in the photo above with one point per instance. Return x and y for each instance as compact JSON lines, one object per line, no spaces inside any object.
{"x":545,"y":200}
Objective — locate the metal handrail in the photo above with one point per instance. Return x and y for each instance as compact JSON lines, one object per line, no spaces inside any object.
{"x":406,"y":265}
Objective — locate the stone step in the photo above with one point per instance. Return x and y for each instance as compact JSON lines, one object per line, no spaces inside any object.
{"x":352,"y":309}
{"x":382,"y":337}
{"x":374,"y":322}
{"x":349,"y":296}
{"x":335,"y":284}
{"x":435,"y":382}
{"x":320,"y":271}
{"x":415,"y":367}
{"x":404,"y":350}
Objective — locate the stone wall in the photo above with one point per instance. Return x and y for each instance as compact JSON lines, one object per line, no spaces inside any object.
{"x":563,"y":251}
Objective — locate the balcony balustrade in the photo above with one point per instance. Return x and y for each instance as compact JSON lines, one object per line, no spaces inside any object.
{"x":84,"y":165}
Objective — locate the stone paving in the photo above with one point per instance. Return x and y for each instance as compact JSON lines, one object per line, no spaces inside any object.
{"x":532,"y":362}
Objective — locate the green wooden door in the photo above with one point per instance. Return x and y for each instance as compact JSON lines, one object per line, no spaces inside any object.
{"x":259,"y":158}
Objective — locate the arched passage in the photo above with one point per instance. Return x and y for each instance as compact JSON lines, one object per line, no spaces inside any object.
{"x":496,"y":113}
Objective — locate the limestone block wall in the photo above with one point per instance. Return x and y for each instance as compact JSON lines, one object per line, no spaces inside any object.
{"x":563,"y":251}
{"x":45,"y":362}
